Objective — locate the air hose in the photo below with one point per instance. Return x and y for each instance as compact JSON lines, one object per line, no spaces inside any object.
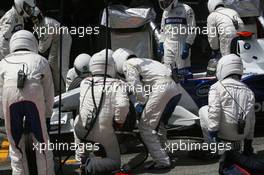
{"x":60,"y":86}
{"x":98,"y":109}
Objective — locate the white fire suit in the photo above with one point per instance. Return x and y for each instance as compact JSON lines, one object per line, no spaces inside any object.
{"x":222,"y":113}
{"x":221,"y":30}
{"x":9,"y":24}
{"x":154,"y":87}
{"x":34,"y":103}
{"x":71,"y":75}
{"x":177,"y":28}
{"x":50,"y":42}
{"x":115,"y":107}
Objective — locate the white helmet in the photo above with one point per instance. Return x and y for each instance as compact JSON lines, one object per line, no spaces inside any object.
{"x":97,"y":64}
{"x":81,"y":64}
{"x":212,"y":4}
{"x":120,"y":56}
{"x":167,"y":4}
{"x":23,"y":39}
{"x":228,"y":65}
{"x":25,"y":8}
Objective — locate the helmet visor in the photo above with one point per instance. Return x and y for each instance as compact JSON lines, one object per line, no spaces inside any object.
{"x":164,"y":4}
{"x":29,"y":10}
{"x":36,"y":16}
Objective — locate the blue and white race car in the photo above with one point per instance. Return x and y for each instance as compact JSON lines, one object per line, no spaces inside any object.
{"x":195,"y":90}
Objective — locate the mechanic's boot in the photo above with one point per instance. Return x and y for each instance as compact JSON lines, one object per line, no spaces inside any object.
{"x":203,"y":155}
{"x":82,"y":170}
{"x":82,"y":166}
{"x":158,"y":166}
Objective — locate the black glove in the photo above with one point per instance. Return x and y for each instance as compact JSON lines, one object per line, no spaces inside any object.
{"x":213,"y":136}
{"x":186,"y":51}
{"x":139,"y":108}
{"x":248,"y":149}
{"x":160,"y":50}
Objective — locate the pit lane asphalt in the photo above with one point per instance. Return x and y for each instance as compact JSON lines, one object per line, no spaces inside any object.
{"x":184,"y":165}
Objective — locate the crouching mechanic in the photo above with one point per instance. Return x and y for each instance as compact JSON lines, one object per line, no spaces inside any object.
{"x":74,"y":78}
{"x":178,"y":34}
{"x":151,"y":83}
{"x":13,"y":21}
{"x":26,"y":94}
{"x":79,"y":71}
{"x":230,"y":114}
{"x":100,"y":110}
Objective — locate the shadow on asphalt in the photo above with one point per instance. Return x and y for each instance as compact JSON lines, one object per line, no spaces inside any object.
{"x":260,"y":155}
